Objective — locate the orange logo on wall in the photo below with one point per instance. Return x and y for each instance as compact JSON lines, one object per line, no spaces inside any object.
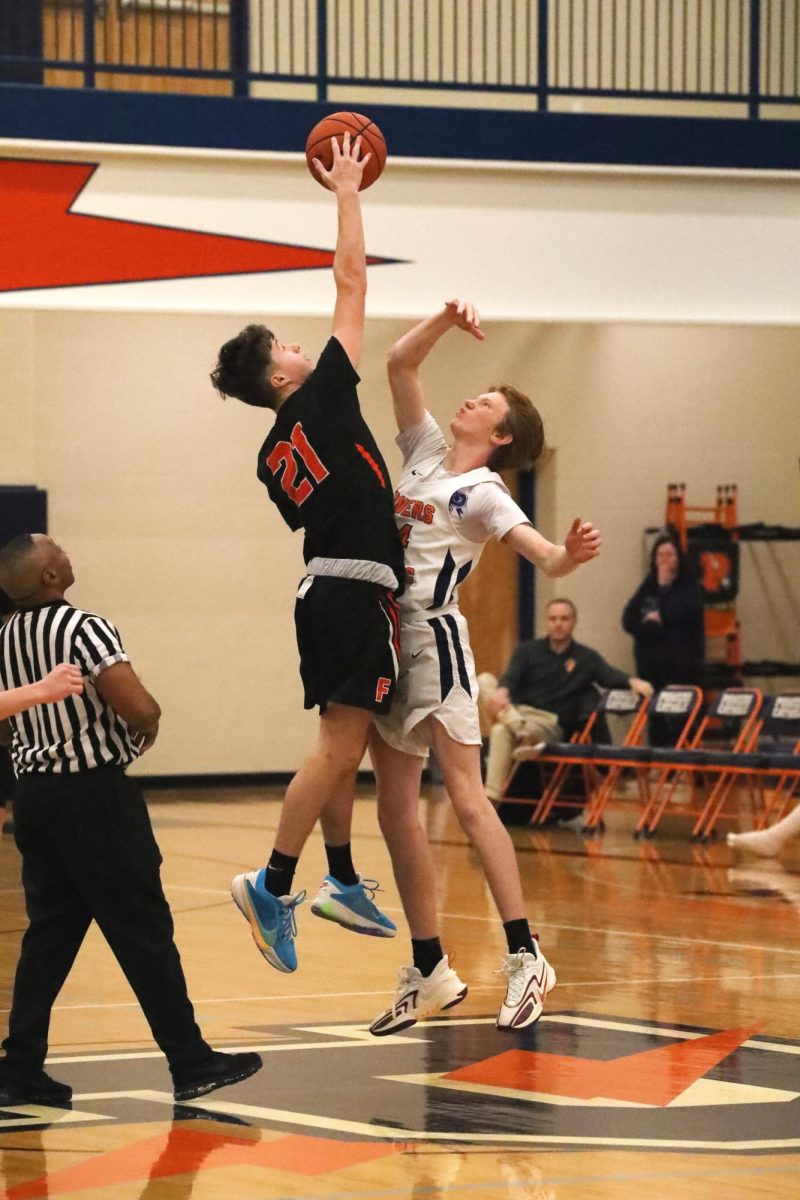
{"x":716,"y":568}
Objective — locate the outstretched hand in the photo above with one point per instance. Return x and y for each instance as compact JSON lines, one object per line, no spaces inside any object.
{"x":465,"y":315}
{"x":347,"y":167}
{"x":583,"y":541}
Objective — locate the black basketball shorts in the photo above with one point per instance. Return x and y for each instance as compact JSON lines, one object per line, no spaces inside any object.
{"x":348,"y":638}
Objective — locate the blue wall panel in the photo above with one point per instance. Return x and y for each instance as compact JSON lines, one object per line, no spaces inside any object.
{"x":62,"y":114}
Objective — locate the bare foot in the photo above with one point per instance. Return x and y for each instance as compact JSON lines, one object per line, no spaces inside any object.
{"x":764,"y":842}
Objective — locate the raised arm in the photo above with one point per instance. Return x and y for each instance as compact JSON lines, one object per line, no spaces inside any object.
{"x":407,"y":355}
{"x":581,"y":544}
{"x":350,"y":261}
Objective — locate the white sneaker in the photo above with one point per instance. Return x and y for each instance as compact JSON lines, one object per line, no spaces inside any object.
{"x":529,"y":981}
{"x":418,"y":996}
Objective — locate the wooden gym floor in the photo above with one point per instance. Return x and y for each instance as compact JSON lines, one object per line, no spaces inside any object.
{"x":667,"y":1063}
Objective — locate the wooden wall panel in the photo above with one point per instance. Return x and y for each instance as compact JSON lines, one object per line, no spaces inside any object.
{"x":489,"y":600}
{"x":138,"y":37}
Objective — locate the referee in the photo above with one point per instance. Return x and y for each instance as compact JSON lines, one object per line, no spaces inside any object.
{"x":83,"y":830}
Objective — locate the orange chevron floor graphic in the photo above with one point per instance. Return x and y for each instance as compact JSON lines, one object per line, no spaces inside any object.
{"x":184,"y":1151}
{"x":654,"y":1077}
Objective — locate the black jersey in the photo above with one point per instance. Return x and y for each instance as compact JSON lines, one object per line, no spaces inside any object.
{"x":324,"y":471}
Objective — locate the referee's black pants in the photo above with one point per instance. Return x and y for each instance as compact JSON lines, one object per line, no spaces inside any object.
{"x":89,"y":853}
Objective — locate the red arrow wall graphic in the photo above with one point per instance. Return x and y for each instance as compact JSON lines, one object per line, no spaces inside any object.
{"x":44,"y":245}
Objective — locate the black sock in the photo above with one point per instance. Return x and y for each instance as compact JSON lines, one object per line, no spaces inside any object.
{"x":340,"y":864}
{"x":427,"y":953}
{"x":518,"y":936}
{"x":279,"y":874}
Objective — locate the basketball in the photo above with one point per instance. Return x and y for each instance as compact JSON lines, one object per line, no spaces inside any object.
{"x":318,"y":144}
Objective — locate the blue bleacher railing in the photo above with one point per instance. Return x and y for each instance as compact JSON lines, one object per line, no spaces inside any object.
{"x":542,"y":53}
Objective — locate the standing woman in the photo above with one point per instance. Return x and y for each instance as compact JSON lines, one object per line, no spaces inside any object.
{"x":665,"y":618}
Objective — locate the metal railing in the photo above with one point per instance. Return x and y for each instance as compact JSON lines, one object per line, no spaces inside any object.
{"x":533,"y":53}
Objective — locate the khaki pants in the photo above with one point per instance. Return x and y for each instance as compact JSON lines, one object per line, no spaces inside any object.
{"x":515,"y":724}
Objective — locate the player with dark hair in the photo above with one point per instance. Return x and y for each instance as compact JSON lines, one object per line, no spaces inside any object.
{"x":449,"y":502}
{"x":324,"y":472}
{"x":243,"y":368}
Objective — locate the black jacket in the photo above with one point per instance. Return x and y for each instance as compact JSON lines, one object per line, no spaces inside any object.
{"x":672,"y":651}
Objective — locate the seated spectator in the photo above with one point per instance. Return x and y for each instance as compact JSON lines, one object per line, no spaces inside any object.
{"x":665,"y":618}
{"x":546,"y":692}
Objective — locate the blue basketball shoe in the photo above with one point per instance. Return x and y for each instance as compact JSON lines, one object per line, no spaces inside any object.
{"x":272,"y":918}
{"x":352,"y":907}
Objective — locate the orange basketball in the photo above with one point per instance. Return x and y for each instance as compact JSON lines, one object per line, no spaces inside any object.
{"x":318,"y":144}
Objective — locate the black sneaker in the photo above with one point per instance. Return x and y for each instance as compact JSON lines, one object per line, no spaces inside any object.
{"x":18,"y":1086}
{"x":216,"y":1071}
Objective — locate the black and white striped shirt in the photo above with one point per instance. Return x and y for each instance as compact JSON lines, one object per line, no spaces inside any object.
{"x":80,"y":732}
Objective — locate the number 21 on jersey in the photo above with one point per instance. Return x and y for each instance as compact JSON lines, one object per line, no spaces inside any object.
{"x":284,"y":459}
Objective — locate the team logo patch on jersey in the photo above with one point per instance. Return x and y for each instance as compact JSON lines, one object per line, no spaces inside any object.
{"x":458,"y":503}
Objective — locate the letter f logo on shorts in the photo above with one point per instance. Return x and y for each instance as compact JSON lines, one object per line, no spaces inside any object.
{"x":382,"y":688}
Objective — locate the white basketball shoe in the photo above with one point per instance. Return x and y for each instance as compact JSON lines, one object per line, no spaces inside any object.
{"x":530,"y":978}
{"x":418,"y":996}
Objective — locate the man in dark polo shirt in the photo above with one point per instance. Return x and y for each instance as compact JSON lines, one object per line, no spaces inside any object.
{"x":546,"y":692}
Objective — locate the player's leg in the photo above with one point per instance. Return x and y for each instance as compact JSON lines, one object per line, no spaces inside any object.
{"x":530,"y":976}
{"x":357,"y":660}
{"x":345,"y":897}
{"x":429,"y":985}
{"x":336,"y":818}
{"x":398,"y":778}
{"x":347,"y":637}
{"x":265,"y":897}
{"x":460,"y":765}
{"x":327,"y":775}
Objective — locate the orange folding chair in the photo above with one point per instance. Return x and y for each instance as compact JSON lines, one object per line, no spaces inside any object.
{"x":727,"y":727}
{"x":772,"y":758}
{"x":677,"y":706}
{"x":550,"y":788}
{"x":588,"y":754}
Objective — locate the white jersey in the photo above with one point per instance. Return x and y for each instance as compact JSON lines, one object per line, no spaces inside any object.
{"x":445,"y":519}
